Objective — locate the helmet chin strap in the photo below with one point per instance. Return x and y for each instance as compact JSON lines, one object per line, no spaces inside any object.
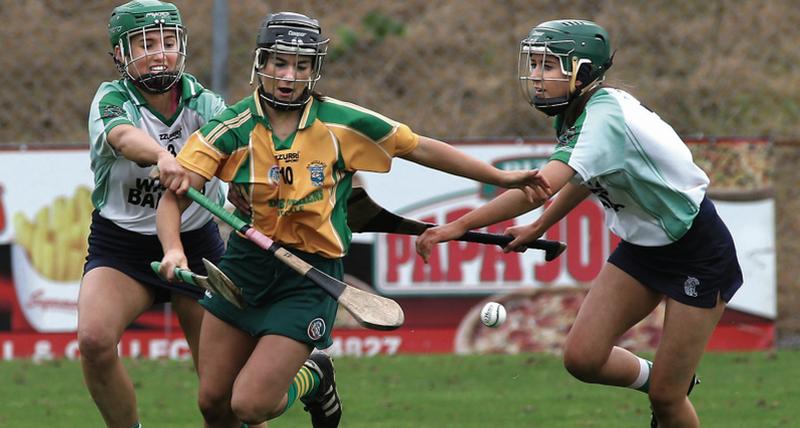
{"x":574,"y":77}
{"x":157,"y":83}
{"x":297,"y":104}
{"x":551,"y":106}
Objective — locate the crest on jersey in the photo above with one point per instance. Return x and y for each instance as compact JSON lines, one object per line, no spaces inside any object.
{"x":316,"y":329}
{"x":110,"y":111}
{"x":274,"y":175}
{"x":317,"y":171}
{"x":566,"y":137}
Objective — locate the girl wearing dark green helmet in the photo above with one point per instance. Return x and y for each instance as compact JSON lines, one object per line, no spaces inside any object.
{"x":674,"y":245}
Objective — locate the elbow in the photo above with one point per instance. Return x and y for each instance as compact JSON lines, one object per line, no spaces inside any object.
{"x":121,"y":145}
{"x":126,"y":148}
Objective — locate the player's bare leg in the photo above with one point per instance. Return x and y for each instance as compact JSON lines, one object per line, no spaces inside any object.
{"x":260,"y":391}
{"x":614,"y":304}
{"x":225,"y":351}
{"x":108,"y":302}
{"x":190,"y":316}
{"x":686,"y":333}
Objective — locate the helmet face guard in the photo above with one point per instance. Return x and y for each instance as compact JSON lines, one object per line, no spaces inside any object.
{"x":583,"y":52}
{"x":528,"y":51}
{"x":159,"y":81}
{"x":147,"y":18}
{"x":292,"y":34}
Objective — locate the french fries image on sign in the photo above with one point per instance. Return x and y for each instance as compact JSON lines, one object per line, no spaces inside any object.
{"x":56,"y":241}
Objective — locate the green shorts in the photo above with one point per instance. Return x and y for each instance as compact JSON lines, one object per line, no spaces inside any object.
{"x":278,"y":300}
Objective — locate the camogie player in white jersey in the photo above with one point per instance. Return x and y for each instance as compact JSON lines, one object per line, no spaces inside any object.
{"x":674,"y":244}
{"x":136,"y":122}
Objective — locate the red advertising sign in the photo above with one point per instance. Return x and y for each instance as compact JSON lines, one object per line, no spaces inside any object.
{"x":471,"y":268}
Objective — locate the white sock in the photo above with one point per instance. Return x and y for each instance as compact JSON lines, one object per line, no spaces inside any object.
{"x":642,"y":381}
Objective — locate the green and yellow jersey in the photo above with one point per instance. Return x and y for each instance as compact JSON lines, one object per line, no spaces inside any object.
{"x":298,"y":187}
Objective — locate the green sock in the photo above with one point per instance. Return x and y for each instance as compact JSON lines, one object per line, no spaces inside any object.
{"x":305,"y":383}
{"x":642,"y":382}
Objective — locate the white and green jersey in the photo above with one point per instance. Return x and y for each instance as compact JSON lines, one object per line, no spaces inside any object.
{"x":636,"y":165}
{"x":123,"y":191}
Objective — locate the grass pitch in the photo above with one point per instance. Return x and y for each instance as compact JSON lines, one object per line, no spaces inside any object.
{"x":738,"y":390}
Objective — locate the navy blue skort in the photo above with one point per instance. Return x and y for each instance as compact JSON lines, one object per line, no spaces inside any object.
{"x":693,"y":270}
{"x":131,"y":253}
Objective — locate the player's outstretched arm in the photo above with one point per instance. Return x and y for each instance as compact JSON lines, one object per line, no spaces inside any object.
{"x":508,"y":205}
{"x":568,"y":198}
{"x":444,"y":157}
{"x":138,"y":146}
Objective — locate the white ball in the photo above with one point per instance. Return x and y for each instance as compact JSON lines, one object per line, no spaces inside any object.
{"x":493,"y":314}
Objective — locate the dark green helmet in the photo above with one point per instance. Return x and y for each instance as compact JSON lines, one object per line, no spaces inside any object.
{"x":575,"y":42}
{"x":582,"y":47}
{"x":138,"y":17}
{"x":139,"y":14}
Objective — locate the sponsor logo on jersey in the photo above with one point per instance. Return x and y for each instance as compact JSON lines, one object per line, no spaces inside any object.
{"x":602,"y":194}
{"x":288,"y":157}
{"x":316,"y":329}
{"x":288,"y":206}
{"x":170,"y":137}
{"x":317,"y":171}
{"x":146,"y":194}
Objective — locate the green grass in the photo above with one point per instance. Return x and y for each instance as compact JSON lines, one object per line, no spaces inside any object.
{"x":738,"y":390}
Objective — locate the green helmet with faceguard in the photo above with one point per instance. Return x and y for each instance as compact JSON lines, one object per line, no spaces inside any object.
{"x":140,"y":17}
{"x":292,"y":34}
{"x":583,"y":51}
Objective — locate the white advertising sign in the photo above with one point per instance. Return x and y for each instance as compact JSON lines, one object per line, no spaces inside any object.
{"x":45,"y":213}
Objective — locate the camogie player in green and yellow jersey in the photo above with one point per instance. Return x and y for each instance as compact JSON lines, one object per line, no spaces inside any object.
{"x":294,"y":153}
